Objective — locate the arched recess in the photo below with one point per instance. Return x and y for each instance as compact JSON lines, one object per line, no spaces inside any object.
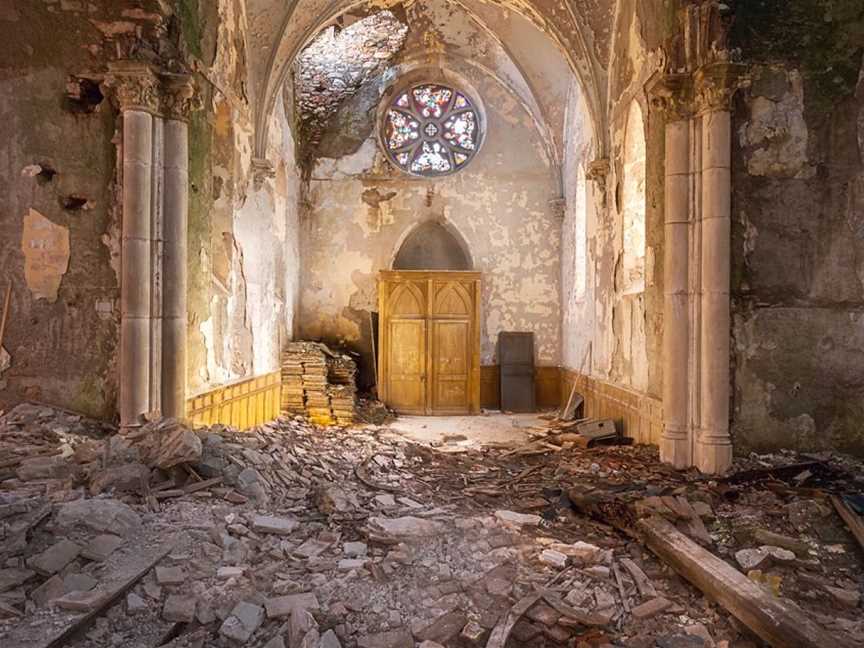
{"x":633,"y":201}
{"x":432,"y":245}
{"x":565,"y":32}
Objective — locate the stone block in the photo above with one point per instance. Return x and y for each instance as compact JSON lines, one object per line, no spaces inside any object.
{"x":79,"y":582}
{"x":392,"y":639}
{"x":329,"y":640}
{"x":135,"y":604}
{"x":179,"y":609}
{"x":170,"y":575}
{"x":445,"y":628}
{"x":55,"y":558}
{"x":48,"y":591}
{"x":274,"y":525}
{"x":284,"y":605}
{"x":12,"y":578}
{"x":101,"y":547}
{"x":513,"y":519}
{"x":243,"y":621}
{"x":80,"y":601}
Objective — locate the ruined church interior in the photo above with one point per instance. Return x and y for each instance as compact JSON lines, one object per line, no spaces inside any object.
{"x":431,"y":323}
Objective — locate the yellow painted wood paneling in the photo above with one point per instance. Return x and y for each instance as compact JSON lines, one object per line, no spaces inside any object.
{"x":242,"y":404}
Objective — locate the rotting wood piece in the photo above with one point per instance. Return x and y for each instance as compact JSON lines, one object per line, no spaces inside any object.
{"x":114,"y":587}
{"x":853,"y":521}
{"x":780,"y":623}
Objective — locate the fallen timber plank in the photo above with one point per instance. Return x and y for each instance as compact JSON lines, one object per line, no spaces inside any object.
{"x":852,"y":520}
{"x":114,"y":587}
{"x":780,"y":623}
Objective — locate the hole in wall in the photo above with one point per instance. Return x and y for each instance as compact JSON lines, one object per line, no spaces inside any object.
{"x":74,"y":202}
{"x":83,"y":96}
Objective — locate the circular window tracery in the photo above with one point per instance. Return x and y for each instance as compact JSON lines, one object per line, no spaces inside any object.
{"x":431,"y":130}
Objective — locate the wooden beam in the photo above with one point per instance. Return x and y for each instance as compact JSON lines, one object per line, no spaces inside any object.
{"x":853,"y":520}
{"x":114,"y":586}
{"x":778,"y":622}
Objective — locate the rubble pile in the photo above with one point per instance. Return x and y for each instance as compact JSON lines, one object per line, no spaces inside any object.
{"x":318,"y":383}
{"x":292,"y":535}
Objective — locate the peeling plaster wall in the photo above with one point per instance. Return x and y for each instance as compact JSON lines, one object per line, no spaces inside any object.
{"x":798,"y":228}
{"x":244,"y":256}
{"x":59,"y":227}
{"x":60,"y":200}
{"x":622,"y":327}
{"x":499,"y":204}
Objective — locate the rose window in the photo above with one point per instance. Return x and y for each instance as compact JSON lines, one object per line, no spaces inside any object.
{"x":431,"y":130}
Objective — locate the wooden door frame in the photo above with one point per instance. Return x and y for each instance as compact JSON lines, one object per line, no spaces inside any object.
{"x":387,"y":280}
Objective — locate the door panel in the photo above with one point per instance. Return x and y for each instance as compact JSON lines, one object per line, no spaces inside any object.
{"x":430,"y":341}
{"x":451,"y":357}
{"x":407,"y":364}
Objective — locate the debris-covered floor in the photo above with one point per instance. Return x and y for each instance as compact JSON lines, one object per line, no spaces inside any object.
{"x":291,"y":535}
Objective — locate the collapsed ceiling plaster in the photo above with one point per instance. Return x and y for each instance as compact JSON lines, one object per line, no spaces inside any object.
{"x":579,"y":32}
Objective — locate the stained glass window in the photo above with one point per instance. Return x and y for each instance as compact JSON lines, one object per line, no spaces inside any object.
{"x":431,"y":130}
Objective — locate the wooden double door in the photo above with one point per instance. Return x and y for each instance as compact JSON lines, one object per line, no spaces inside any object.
{"x":429,"y":340}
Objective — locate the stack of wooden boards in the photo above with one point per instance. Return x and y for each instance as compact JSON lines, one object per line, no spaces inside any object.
{"x":318,"y":383}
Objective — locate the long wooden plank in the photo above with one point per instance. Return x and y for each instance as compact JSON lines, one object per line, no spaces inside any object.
{"x":853,"y":520}
{"x":780,"y":623}
{"x":114,"y":587}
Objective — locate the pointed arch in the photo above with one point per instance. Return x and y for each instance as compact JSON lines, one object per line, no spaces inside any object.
{"x":633,"y":200}
{"x":432,"y":245}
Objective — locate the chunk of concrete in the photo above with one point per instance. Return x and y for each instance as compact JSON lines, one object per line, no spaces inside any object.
{"x":101,"y":515}
{"x":554,"y":558}
{"x":243,"y":621}
{"x":513,"y":519}
{"x":12,"y":578}
{"x":179,"y":609}
{"x":135,"y":604}
{"x":329,"y":640}
{"x":392,"y":639}
{"x":101,"y":547}
{"x":55,"y":558}
{"x":170,"y":575}
{"x":79,"y":582}
{"x":355,"y":549}
{"x":48,"y":591}
{"x":80,"y":601}
{"x":283,"y":606}
{"x":407,"y":527}
{"x":274,"y":525}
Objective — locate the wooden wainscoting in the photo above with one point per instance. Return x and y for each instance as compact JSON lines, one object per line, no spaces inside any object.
{"x":547,"y":387}
{"x":242,"y":404}
{"x":639,"y":416}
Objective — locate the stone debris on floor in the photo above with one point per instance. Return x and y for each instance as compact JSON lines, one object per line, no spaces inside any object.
{"x":302,"y":536}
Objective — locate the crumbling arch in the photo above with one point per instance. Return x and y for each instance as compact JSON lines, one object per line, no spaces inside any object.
{"x":432,"y":245}
{"x":569,"y":40}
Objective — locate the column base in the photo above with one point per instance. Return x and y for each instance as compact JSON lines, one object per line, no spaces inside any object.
{"x":713,"y":453}
{"x":675,"y":448}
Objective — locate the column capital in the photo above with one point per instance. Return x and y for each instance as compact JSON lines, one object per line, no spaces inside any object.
{"x":672,"y":95}
{"x":716,"y":83}
{"x":134,"y":86}
{"x":180,"y":96}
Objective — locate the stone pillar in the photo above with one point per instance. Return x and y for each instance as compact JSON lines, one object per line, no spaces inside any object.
{"x":136,"y":90}
{"x":156,"y":226}
{"x":178,"y":102}
{"x":672,"y":97}
{"x":715,"y":85}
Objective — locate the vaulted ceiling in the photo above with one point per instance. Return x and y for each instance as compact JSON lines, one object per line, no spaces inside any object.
{"x":535,"y":48}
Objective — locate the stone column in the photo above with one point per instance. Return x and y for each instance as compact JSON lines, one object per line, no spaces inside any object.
{"x":156,"y":236}
{"x":136,"y":90}
{"x":178,"y":103}
{"x":673,"y":99}
{"x":715,"y":85}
